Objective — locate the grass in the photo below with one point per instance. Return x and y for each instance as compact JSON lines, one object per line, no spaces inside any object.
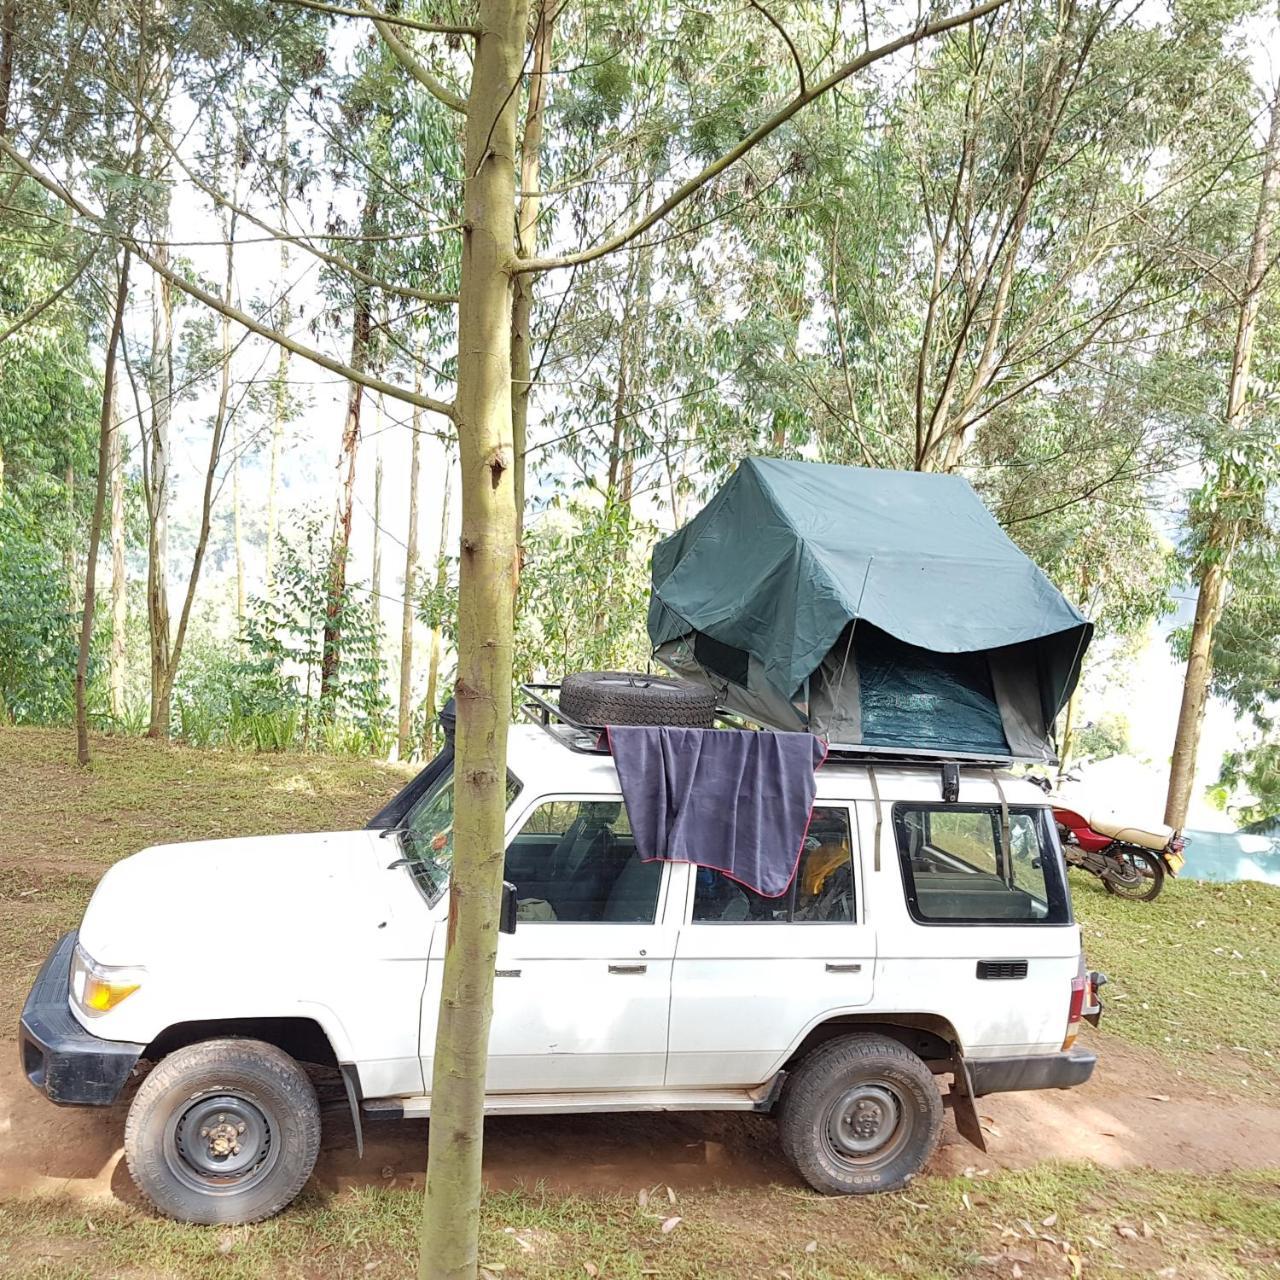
{"x":1194,"y":975}
{"x":1195,"y":978}
{"x":1056,"y":1220}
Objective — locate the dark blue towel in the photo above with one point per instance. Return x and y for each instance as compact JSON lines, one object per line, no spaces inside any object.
{"x":729,"y":799}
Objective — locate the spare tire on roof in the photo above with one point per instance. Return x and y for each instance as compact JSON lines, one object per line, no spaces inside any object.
{"x":627,"y":697}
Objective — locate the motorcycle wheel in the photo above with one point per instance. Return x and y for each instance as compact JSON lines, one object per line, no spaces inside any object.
{"x":1139,"y":875}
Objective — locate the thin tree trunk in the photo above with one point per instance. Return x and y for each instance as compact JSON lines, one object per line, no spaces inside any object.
{"x":361,"y":330}
{"x":410,"y":583}
{"x":105,"y":432}
{"x":1224,"y":531}
{"x":486,"y":618}
{"x":527,"y":247}
{"x":119,"y":582}
{"x":281,"y":398}
{"x":161,"y":391}
{"x":8,"y":42}
{"x":436,"y":641}
{"x":237,"y":529}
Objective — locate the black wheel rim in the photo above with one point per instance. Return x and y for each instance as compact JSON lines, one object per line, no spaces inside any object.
{"x":868,"y":1124}
{"x":221,"y":1143}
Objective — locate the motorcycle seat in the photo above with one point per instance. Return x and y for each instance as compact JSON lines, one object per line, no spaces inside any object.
{"x":1147,"y":835}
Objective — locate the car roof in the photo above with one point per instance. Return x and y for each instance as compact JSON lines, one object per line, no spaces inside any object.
{"x":545,"y":765}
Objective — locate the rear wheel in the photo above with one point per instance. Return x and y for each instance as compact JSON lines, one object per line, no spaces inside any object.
{"x":860,"y":1114}
{"x":223,"y":1131}
{"x":1136,"y":874}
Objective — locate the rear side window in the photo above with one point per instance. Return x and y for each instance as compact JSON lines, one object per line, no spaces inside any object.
{"x":956,"y":869}
{"x":820,"y":893}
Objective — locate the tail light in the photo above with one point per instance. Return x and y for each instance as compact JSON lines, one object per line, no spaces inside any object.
{"x":1079,"y":984}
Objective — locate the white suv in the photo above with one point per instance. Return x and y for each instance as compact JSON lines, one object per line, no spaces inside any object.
{"x":921,"y":938}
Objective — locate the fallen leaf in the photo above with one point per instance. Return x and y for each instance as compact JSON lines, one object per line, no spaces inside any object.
{"x":643,"y":1198}
{"x":1158,"y":1097}
{"x":1147,"y":1232}
{"x":1017,"y":1272}
{"x":591,"y":1269}
{"x":1077,"y":1267}
{"x":670,"y":1225}
{"x":811,"y":1247}
{"x":1127,"y":1232}
{"x":1050,"y":1221}
{"x":671,"y":1195}
{"x":524,"y":1244}
{"x":964,"y":1200}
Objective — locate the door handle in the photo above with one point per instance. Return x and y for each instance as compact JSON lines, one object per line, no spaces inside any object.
{"x":843,"y":968}
{"x":628,"y":968}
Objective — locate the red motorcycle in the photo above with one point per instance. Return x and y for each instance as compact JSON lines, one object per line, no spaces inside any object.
{"x":1130,"y":859}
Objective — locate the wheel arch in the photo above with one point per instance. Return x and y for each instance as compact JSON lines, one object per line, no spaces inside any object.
{"x":928,"y":1035}
{"x":303,"y":1039}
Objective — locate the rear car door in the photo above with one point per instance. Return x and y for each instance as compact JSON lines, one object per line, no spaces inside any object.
{"x":752,"y":974}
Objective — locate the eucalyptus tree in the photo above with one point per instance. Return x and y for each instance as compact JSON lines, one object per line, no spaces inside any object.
{"x":1232,"y":504}
{"x":482,"y":88}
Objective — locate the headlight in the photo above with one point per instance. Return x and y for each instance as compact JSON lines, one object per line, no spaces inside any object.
{"x":97,"y":988}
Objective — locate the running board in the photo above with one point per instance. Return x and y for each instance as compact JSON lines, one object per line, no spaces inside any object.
{"x":760,"y":1098}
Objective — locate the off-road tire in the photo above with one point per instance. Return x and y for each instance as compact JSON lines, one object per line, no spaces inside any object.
{"x":600,"y":698}
{"x":264,"y":1078}
{"x":836,"y":1071}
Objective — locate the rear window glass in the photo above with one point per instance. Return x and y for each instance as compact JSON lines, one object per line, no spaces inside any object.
{"x":956,"y":870}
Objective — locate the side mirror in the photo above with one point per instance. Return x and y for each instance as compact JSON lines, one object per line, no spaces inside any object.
{"x":507,"y":913}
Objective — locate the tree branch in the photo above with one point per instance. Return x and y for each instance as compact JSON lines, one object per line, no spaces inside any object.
{"x":392,"y":19}
{"x":215,"y":303}
{"x":37,"y":308}
{"x":683,"y":192}
{"x":410,"y":62}
{"x":782,"y":31}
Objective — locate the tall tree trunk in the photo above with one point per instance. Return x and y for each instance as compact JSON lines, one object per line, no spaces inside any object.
{"x":436,"y":640}
{"x":8,"y":42}
{"x":1224,"y":530}
{"x":486,"y":618}
{"x":237,"y":528}
{"x":161,"y":392}
{"x":527,"y":246}
{"x":119,"y":582}
{"x":375,"y":579}
{"x":280,"y":406}
{"x":361,"y":330}
{"x":105,"y":432}
{"x":410,"y":583}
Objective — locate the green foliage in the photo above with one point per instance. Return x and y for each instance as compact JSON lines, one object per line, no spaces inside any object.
{"x":1105,"y":737}
{"x":38,"y":644}
{"x":1255,"y":772}
{"x":584,"y":590}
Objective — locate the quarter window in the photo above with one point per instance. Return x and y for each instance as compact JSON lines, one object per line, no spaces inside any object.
{"x":575,"y":862}
{"x":821,"y":891}
{"x":956,"y":869}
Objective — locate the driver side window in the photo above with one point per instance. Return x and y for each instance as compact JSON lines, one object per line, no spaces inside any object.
{"x":575,"y":862}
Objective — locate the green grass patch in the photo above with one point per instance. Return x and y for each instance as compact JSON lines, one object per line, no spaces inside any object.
{"x":1194,"y":975}
{"x":1049,"y":1221}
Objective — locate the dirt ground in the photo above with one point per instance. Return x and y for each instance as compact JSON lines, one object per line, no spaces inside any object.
{"x":1134,"y":1113}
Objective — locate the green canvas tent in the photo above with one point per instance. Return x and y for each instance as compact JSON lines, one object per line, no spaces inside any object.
{"x":877,"y":608}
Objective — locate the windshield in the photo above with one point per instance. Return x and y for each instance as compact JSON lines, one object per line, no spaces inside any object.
{"x":426,"y":836}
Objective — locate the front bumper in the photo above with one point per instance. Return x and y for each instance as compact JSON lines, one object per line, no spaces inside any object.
{"x":1045,"y":1071}
{"x":66,"y":1063}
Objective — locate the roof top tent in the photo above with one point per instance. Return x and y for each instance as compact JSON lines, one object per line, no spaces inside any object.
{"x":884,"y":610}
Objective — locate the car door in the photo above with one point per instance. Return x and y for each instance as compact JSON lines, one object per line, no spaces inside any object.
{"x":752,"y":974}
{"x":582,"y":987}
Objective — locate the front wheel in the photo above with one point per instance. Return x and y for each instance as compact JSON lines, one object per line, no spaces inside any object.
{"x":1132,"y":873}
{"x":223,"y":1131}
{"x":860,"y":1114}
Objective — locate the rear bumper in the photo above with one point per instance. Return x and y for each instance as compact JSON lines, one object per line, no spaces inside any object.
{"x":1046,"y":1071}
{"x":60,"y":1058}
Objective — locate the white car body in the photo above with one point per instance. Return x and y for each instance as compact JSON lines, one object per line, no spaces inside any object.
{"x":671,"y":1014}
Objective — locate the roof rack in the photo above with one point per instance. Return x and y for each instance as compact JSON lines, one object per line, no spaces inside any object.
{"x":539,"y":708}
